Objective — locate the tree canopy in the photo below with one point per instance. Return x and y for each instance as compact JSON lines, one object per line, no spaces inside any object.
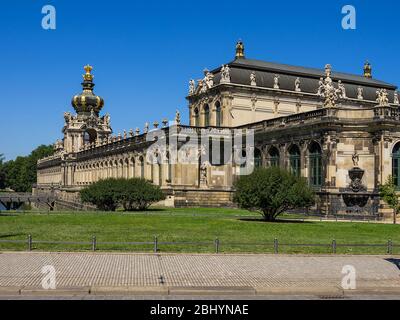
{"x":131,"y":194}
{"x":272,"y":191}
{"x":20,"y":174}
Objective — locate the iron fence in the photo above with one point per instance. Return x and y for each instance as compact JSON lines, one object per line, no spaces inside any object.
{"x":217,"y":244}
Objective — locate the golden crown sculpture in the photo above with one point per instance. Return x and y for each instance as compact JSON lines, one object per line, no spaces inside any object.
{"x":88,"y":76}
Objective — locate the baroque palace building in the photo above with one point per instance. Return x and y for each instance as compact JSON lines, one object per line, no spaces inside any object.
{"x":340,"y":131}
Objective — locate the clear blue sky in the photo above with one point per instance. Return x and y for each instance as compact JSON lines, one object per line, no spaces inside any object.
{"x":144,"y":53}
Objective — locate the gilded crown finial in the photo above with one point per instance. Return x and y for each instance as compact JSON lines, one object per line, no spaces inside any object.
{"x":367,"y":70}
{"x":88,"y":76}
{"x":239,"y":49}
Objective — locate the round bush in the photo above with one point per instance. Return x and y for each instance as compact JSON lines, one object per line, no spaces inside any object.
{"x":131,"y":194}
{"x":272,"y":191}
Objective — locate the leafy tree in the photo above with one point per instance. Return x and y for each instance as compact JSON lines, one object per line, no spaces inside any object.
{"x":20,"y":174}
{"x":131,"y":194}
{"x":139,"y":194}
{"x":272,"y":191}
{"x":388,"y":193}
{"x":105,"y":194}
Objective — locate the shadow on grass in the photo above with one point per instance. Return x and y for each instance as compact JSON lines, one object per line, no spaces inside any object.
{"x":275,"y":221}
{"x":11,"y":235}
{"x":150,"y":210}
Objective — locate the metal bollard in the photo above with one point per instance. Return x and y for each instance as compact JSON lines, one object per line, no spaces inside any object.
{"x":216,"y":242}
{"x":333,"y":246}
{"x":94,"y":242}
{"x":155,"y":244}
{"x":29,"y":242}
{"x":276,"y":246}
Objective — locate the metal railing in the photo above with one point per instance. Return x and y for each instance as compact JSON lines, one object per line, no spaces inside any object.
{"x":217,"y":244}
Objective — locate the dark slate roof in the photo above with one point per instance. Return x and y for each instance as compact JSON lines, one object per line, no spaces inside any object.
{"x":240,"y":70}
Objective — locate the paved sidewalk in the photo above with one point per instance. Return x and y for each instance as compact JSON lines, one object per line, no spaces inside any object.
{"x":191,"y":274}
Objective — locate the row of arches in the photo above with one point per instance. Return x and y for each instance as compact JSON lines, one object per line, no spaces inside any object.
{"x":207,"y":114}
{"x":294,"y":161}
{"x":128,"y":167}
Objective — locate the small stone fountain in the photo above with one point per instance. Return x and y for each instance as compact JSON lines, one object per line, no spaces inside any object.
{"x":355,"y":194}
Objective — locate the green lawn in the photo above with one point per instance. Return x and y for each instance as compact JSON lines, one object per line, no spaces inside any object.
{"x":237,"y":231}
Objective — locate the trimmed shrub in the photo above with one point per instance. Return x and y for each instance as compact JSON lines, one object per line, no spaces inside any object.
{"x":139,"y":194}
{"x":131,"y":194}
{"x":272,"y":191}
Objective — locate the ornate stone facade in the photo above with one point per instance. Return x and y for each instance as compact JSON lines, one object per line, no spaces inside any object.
{"x":310,"y":121}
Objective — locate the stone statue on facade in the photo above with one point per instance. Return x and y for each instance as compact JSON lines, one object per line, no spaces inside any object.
{"x":382,"y":97}
{"x":67,"y":117}
{"x":276,"y":81}
{"x":146,"y":127}
{"x":107,"y":119}
{"x":355,"y":158}
{"x":58,"y":146}
{"x":360,"y":92}
{"x":253,"y":81}
{"x":208,"y":80}
{"x":192,"y":87}
{"x":225,"y":74}
{"x":341,"y":90}
{"x":297,"y":85}
{"x":177,"y":117}
{"x":320,"y":86}
{"x":396,"y":98}
{"x":327,"y":90}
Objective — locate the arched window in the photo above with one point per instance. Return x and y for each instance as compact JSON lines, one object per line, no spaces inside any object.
{"x":243,"y":164}
{"x":294,"y":160}
{"x":196,"y":117}
{"x":132,"y":167}
{"x":158,"y":165}
{"x":206,"y":115}
{"x":396,"y":165}
{"x":141,"y":161}
{"x":273,"y":157}
{"x":89,"y":136}
{"x":315,"y":164}
{"x":257,"y":158}
{"x":169,"y":176}
{"x":218,"y":118}
{"x":216,"y":155}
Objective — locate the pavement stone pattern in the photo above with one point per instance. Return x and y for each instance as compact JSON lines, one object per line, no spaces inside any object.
{"x":23,"y":269}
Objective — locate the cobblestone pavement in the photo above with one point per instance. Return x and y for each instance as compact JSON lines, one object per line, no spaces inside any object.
{"x":75,"y":270}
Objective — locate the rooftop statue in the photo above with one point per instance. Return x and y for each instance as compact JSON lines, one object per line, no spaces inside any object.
{"x":225,"y":74}
{"x":208,"y":79}
{"x":177,"y":117}
{"x":297,"y":85}
{"x":327,"y":89}
{"x":382,"y":97}
{"x":360,"y":92}
{"x":396,"y":98}
{"x":276,"y":81}
{"x":253,"y":81}
{"x":192,"y":87}
{"x":341,"y":90}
